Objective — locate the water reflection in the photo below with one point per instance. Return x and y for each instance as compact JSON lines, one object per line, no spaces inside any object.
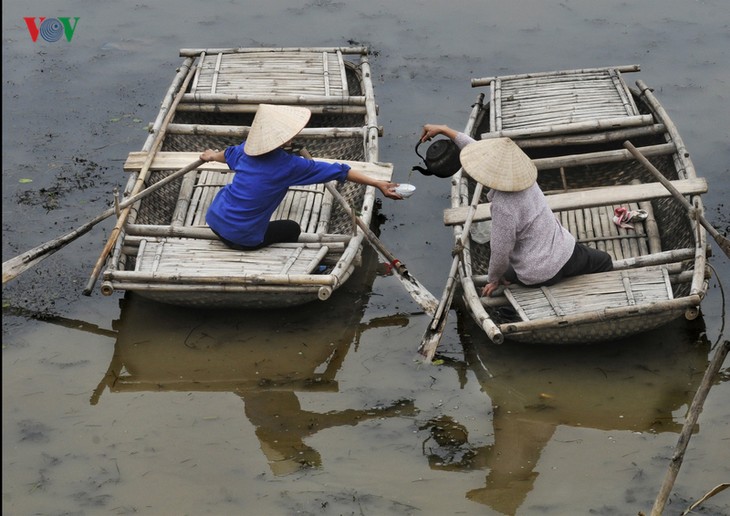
{"x":264,"y":357}
{"x":638,"y":385}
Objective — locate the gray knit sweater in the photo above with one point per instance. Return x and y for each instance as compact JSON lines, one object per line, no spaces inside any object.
{"x":525,"y":234}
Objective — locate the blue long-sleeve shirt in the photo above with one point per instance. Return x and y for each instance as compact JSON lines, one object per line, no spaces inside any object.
{"x":241,"y":210}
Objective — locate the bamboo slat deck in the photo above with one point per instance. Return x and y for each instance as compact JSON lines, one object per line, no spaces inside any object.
{"x":264,"y":73}
{"x":168,"y":253}
{"x":171,"y":257}
{"x":591,"y":292}
{"x":562,"y":102}
{"x":572,"y":124}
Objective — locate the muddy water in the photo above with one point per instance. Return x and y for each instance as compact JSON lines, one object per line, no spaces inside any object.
{"x":117,"y":405}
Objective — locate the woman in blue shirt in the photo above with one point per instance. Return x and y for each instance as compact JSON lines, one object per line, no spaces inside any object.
{"x":240,"y":213}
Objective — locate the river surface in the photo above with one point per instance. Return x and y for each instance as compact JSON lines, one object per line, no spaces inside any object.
{"x":117,"y":405}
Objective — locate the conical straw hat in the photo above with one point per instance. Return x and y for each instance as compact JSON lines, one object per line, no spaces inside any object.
{"x":499,"y":163}
{"x":273,"y":126}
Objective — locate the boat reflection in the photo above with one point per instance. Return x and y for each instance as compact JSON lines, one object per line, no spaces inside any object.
{"x":265,"y":357}
{"x":634,"y":385}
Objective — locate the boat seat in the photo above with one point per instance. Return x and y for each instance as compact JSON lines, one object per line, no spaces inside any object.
{"x":591,"y":292}
{"x":170,"y":256}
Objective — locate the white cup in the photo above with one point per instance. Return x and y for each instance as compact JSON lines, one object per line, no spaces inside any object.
{"x":405,"y":190}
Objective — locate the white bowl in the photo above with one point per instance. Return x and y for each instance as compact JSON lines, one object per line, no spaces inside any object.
{"x":405,"y":190}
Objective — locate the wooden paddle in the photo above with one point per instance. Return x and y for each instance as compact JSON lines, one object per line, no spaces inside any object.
{"x":434,"y":331}
{"x":23,"y":262}
{"x":723,"y":242}
{"x":418,"y":292}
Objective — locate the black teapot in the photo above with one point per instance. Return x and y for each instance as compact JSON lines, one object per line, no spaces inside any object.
{"x":442,"y":159}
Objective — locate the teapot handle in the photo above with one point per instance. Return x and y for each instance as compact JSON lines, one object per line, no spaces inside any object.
{"x":419,"y":154}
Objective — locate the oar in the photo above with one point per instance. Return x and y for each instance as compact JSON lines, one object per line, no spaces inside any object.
{"x":418,"y":292}
{"x":723,"y":242}
{"x":434,"y":331}
{"x":23,"y":262}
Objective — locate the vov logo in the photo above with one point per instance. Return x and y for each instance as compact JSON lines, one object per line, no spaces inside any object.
{"x":51,"y":29}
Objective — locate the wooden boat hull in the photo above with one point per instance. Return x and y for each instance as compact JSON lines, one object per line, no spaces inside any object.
{"x":573,"y":124}
{"x":166,"y":251}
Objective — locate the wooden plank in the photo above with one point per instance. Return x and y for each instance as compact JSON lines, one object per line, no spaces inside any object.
{"x":516,"y":305}
{"x":627,"y":288}
{"x":177,"y":160}
{"x":588,"y":198}
{"x":291,"y":260}
{"x":554,"y":303}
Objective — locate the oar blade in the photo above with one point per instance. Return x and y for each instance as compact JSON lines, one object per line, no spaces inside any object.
{"x":15,"y":266}
{"x":432,"y":336}
{"x":419,"y":294}
{"x":724,"y":244}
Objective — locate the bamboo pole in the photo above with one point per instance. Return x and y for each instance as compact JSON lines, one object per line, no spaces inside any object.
{"x":580,"y":71}
{"x":693,"y":415}
{"x":251,"y":108}
{"x":592,"y":138}
{"x":241,"y":131}
{"x":574,"y":127}
{"x":723,"y":242}
{"x":663,"y":117}
{"x":592,"y":158}
{"x":157,"y":143}
{"x":193,"y":290}
{"x":227,"y":279}
{"x":192,"y":52}
{"x":606,"y":314}
{"x":293,"y":99}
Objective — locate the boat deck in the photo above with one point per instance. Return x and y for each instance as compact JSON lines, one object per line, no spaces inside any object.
{"x":592,"y":292}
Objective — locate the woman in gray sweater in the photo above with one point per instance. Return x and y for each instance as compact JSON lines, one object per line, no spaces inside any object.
{"x":528,"y":244}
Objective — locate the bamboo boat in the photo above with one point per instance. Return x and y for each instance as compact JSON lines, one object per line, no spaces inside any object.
{"x":578,"y":126}
{"x":166,"y":252}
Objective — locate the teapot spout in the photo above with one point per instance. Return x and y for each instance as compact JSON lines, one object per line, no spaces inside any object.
{"x":423,"y":171}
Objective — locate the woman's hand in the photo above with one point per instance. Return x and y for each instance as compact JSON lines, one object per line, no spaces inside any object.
{"x":388,"y":190}
{"x":431,"y":130}
{"x":213,"y":155}
{"x":489,"y":288}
